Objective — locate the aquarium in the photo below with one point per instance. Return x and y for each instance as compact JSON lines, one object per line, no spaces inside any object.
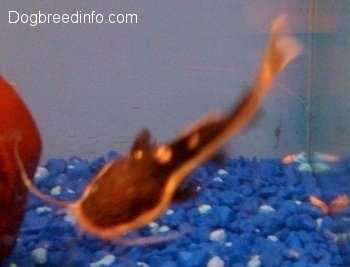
{"x":92,"y":76}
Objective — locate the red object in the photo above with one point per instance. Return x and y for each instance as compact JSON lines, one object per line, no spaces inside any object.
{"x":16,"y":125}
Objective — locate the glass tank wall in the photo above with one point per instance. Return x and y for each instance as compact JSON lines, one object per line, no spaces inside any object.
{"x":328,"y":120}
{"x":329,"y":77}
{"x":197,"y":57}
{"x":96,"y":85}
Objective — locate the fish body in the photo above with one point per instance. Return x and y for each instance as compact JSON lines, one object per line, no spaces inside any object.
{"x":15,"y":120}
{"x":135,"y":189}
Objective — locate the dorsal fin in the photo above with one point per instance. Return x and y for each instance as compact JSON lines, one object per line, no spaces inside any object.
{"x":142,"y":141}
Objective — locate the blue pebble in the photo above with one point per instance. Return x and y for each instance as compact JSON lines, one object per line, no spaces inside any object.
{"x":290,"y":192}
{"x":80,"y":166}
{"x":74,"y":160}
{"x":196,"y":257}
{"x":292,"y":176}
{"x":72,"y":169}
{"x":310,"y":185}
{"x":56,"y":258}
{"x":293,"y":255}
{"x":271,"y":252}
{"x":282,"y":235}
{"x":79,"y":186}
{"x":60,"y":179}
{"x":246,"y":226}
{"x":315,"y":212}
{"x":249,"y":205}
{"x":210,"y":219}
{"x":174,"y":219}
{"x":112,"y":155}
{"x":194,"y":216}
{"x":156,"y":260}
{"x":274,"y":201}
{"x":97,"y":164}
{"x":308,"y":223}
{"x":246,"y":190}
{"x":316,"y":254}
{"x":270,"y":168}
{"x":269,"y":191}
{"x":200,"y":234}
{"x":259,"y":220}
{"x":59,"y":227}
{"x":289,"y":207}
{"x":170,"y":263}
{"x":56,"y":166}
{"x":24,"y":259}
{"x":228,"y":198}
{"x":294,"y":222}
{"x":234,"y":202}
{"x":224,"y":214}
{"x":273,"y":223}
{"x":306,"y":238}
{"x":207,"y":196}
{"x":77,"y":257}
{"x":337,"y":260}
{"x":293,"y":240}
{"x":184,"y":256}
{"x":33,"y":222}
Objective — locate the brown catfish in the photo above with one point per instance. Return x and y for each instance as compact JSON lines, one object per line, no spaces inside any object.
{"x":137,"y":188}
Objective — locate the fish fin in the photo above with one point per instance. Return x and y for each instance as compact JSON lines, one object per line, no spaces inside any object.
{"x":142,"y":141}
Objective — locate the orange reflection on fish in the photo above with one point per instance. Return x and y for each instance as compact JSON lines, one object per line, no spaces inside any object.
{"x":319,"y":203}
{"x":337,"y":205}
{"x":315,"y":157}
{"x":15,"y":120}
{"x":340,"y":202}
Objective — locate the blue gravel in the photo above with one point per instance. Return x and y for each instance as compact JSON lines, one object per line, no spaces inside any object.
{"x":248,"y":212}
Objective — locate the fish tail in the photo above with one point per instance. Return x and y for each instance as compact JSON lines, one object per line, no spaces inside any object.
{"x":281,"y":50}
{"x":29,"y":184}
